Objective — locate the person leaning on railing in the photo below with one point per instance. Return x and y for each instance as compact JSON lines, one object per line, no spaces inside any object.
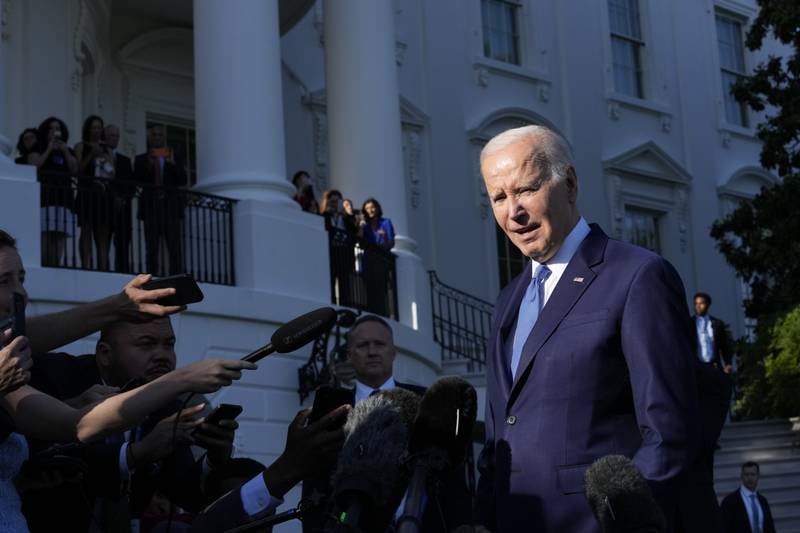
{"x":25,"y":410}
{"x":56,"y":164}
{"x":93,"y":203}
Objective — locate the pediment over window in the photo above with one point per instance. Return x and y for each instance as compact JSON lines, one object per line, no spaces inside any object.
{"x":648,"y":160}
{"x":747,"y":182}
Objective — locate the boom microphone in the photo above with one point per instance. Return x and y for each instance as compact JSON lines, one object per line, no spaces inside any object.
{"x":296,"y":333}
{"x":369,"y":480}
{"x":438,"y":442}
{"x":620,"y":498}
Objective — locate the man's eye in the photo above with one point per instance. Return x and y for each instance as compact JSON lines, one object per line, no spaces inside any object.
{"x":498,"y":199}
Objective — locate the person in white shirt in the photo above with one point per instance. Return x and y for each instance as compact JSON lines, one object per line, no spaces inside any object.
{"x":745,"y":510}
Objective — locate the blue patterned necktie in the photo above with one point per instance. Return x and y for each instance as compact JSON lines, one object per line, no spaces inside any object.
{"x":529,"y":310}
{"x":756,"y":514}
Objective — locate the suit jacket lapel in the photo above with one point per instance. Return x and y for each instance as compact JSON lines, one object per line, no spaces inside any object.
{"x":564,"y":297}
{"x":504,"y":327}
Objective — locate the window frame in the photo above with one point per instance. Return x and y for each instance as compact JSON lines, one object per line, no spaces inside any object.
{"x":639,"y":47}
{"x":517,"y":34}
{"x":742,"y":21}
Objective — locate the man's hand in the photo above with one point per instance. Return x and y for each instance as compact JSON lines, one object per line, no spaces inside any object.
{"x":92,"y":395}
{"x":141,"y":305}
{"x":727,"y":369}
{"x":15,"y":362}
{"x":309,"y":449}
{"x":209,"y":375}
{"x":217,"y":439}
{"x":159,"y":443}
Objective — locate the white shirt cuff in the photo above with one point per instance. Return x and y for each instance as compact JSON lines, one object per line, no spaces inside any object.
{"x":124,"y":471}
{"x":256,"y":499}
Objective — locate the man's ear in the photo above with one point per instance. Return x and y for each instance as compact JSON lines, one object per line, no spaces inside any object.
{"x":102,"y":353}
{"x":572,"y":185}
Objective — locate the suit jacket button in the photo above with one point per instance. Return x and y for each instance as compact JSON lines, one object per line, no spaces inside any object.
{"x":511,"y":420}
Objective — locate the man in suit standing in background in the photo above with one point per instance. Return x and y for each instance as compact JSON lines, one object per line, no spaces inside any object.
{"x":121,"y":222}
{"x":161,"y":204}
{"x":745,"y":510}
{"x":590,"y":352}
{"x":715,"y":346}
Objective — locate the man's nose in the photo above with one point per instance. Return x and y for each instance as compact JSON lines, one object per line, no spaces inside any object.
{"x":515,"y":209}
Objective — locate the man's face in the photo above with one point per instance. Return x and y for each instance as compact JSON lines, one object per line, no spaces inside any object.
{"x":112,"y":136}
{"x":371,"y":351}
{"x":701,"y":306}
{"x":139,"y":350}
{"x":750,"y":477}
{"x":12,"y":277}
{"x":535,"y":212}
{"x":155,"y":137}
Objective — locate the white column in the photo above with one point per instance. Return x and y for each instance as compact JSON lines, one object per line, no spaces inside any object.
{"x":238,"y":102}
{"x":364,"y":132}
{"x":364,"y":136}
{"x":6,"y":145}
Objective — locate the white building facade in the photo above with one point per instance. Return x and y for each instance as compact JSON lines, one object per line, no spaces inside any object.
{"x":391,"y":99}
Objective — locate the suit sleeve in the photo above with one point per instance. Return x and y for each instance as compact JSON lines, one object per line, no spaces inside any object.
{"x":658,"y":345}
{"x":181,"y":480}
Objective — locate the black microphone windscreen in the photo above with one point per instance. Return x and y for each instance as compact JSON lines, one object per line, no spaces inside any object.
{"x":620,"y":498}
{"x":446,"y":418}
{"x":369,"y":467}
{"x":303,"y":329}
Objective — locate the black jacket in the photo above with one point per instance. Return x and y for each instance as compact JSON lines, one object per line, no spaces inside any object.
{"x":734,"y":515}
{"x":179,"y":477}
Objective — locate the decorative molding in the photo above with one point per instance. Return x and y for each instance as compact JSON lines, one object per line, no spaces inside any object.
{"x":725,"y":137}
{"x":77,"y":45}
{"x":320,"y":145}
{"x":666,"y":123}
{"x":400,"y":52}
{"x":613,"y":110}
{"x":412,"y":152}
{"x":544,"y":92}
{"x":617,"y":205}
{"x":682,"y":205}
{"x":481,"y":76}
{"x":484,"y":204}
{"x":319,"y":24}
{"x":648,"y":160}
{"x":5,"y":15}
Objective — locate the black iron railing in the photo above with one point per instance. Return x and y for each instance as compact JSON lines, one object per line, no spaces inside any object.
{"x":113,"y":225}
{"x":461,"y":324}
{"x":363,"y":275}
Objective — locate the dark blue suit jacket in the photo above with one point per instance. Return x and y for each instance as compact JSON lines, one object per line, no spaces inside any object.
{"x":606,"y":370}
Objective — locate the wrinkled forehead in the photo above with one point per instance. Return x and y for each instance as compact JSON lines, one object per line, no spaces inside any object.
{"x":126,"y":332}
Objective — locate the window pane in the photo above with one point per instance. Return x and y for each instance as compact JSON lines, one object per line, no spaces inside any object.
{"x":624,"y":18}
{"x":627,"y":77}
{"x":731,"y":60}
{"x":735,"y":112}
{"x":500,"y":30}
{"x":641,"y":229}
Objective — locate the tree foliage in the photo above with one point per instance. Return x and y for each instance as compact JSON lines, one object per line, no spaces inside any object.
{"x":761,"y":239}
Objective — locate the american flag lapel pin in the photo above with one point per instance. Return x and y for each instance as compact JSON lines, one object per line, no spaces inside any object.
{"x":577,"y":280}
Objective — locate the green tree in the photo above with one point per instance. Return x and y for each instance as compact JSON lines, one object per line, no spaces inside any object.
{"x":760,"y":238}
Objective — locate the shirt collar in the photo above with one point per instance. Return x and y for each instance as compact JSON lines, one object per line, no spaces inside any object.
{"x":363,"y":391}
{"x":558,"y":263}
{"x":747,"y":492}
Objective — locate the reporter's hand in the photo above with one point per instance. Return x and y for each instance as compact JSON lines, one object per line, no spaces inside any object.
{"x":217,"y":439}
{"x":159,"y":443}
{"x":141,"y":305}
{"x":15,"y":362}
{"x":310,"y":449}
{"x":94,"y":394}
{"x":209,"y":375}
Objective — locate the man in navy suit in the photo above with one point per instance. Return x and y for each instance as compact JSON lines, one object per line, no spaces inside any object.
{"x":591,"y":351}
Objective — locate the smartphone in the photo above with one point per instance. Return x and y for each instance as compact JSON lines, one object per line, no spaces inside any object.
{"x":186,"y":289}
{"x":224,"y":411}
{"x":327,"y":399}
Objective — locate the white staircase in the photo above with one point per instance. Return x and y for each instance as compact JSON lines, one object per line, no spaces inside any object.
{"x":775,"y":446}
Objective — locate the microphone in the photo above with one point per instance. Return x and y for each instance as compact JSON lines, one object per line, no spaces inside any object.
{"x":438,"y":442}
{"x":369,"y":480}
{"x":296,"y":333}
{"x":620,"y":498}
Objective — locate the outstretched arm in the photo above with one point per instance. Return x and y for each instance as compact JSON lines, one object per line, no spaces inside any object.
{"x":133,"y":304}
{"x":43,"y":417}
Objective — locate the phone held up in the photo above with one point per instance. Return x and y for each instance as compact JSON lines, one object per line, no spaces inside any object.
{"x":326,"y":399}
{"x":17,"y":319}
{"x":186,"y":289}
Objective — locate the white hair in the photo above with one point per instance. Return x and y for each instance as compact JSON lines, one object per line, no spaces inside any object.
{"x":550,"y":152}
